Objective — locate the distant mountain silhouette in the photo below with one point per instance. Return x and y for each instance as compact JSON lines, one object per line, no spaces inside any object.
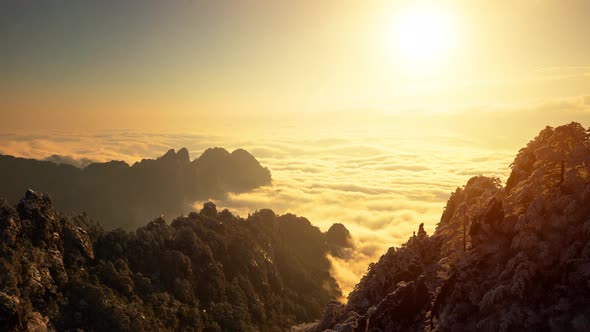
{"x":208,"y":271}
{"x":514,"y":258}
{"x":119,"y":195}
{"x":339,"y":241}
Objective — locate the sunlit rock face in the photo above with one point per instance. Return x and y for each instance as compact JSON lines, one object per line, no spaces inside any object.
{"x":208,"y":271}
{"x":119,"y":195}
{"x":512,"y":258}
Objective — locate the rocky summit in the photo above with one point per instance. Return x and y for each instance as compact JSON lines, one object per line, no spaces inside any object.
{"x":512,"y":258}
{"x":207,"y":271}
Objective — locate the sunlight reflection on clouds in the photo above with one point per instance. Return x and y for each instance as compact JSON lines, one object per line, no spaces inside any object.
{"x":381,"y":186}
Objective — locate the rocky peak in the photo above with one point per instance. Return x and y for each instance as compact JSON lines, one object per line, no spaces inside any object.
{"x":339,"y":235}
{"x":568,"y":145}
{"x":183,"y":156}
{"x":213,"y":154}
{"x":339,"y":240}
{"x":209,"y":209}
{"x":421,"y":231}
{"x":39,"y":220}
{"x":243,"y":156}
{"x":170,"y":154}
{"x":35,"y":203}
{"x":501,"y":259}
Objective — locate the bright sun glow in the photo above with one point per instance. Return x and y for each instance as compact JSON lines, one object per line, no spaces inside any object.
{"x":422,"y":36}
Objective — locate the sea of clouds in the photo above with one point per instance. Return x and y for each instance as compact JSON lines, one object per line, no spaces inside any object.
{"x":380,"y":180}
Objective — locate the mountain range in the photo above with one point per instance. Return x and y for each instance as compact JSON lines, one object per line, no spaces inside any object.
{"x":119,"y":195}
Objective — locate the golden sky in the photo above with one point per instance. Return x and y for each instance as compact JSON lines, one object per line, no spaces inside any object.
{"x":153,"y":64}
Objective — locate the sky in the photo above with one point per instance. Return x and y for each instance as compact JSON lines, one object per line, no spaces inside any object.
{"x":170,"y":64}
{"x":367,"y":113}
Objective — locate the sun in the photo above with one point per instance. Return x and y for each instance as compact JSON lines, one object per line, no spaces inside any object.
{"x":422,"y":36}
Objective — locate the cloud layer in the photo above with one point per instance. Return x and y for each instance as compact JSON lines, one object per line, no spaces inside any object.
{"x":381,"y":179}
{"x":380,"y":187}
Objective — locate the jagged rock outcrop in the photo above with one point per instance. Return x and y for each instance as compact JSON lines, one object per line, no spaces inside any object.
{"x":119,"y":195}
{"x":339,"y":241}
{"x":514,"y":258}
{"x":208,"y":271}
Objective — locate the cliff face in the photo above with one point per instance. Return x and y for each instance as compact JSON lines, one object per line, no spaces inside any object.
{"x":209,"y":271}
{"x":119,"y":195}
{"x":514,"y":258}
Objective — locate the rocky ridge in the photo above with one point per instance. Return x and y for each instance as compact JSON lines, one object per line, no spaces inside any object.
{"x":119,"y":195}
{"x":207,"y":271}
{"x":513,"y":258}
